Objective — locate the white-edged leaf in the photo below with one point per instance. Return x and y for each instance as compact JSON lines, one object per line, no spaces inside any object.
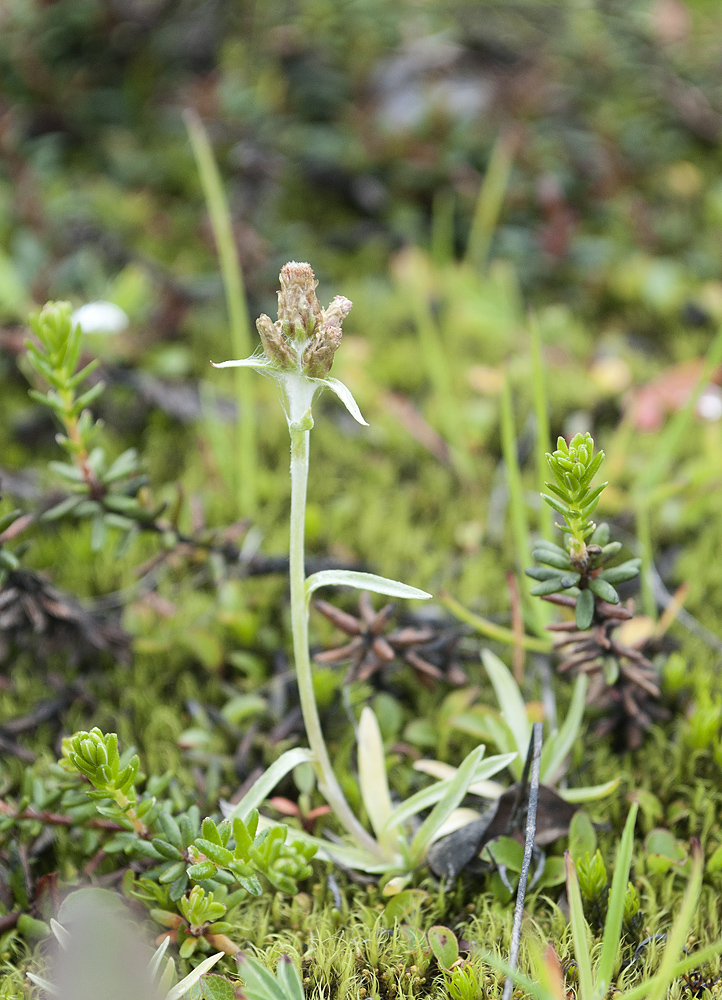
{"x":43,"y":983}
{"x":372,"y":772}
{"x":511,"y":703}
{"x":438,"y":769}
{"x":185,"y":984}
{"x":154,"y":964}
{"x":428,"y":797}
{"x":261,"y":788}
{"x":363,"y":581}
{"x":589,"y":792}
{"x":453,"y":795}
{"x":62,"y":934}
{"x":344,"y":394}
{"x":260,"y":363}
{"x":560,"y":743}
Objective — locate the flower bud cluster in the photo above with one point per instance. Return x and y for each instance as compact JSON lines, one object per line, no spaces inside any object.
{"x":305,"y":337}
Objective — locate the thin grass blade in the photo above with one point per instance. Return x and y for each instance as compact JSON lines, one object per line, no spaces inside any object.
{"x":455,"y":792}
{"x":579,"y":931}
{"x":261,"y":789}
{"x":511,"y":703}
{"x":615,"y":909}
{"x":558,"y":746}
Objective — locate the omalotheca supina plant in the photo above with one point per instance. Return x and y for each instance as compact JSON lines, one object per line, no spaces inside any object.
{"x":298,"y":351}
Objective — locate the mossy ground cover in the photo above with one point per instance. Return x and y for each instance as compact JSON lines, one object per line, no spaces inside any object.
{"x":608,"y":229}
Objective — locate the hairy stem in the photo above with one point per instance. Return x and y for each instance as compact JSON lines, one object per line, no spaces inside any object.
{"x":299,"y":618}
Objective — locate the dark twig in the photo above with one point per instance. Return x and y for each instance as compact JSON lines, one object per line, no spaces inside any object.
{"x":534,"y":755}
{"x":56,"y":819}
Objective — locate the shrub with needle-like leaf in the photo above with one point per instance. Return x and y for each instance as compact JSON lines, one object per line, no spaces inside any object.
{"x":576,"y":576}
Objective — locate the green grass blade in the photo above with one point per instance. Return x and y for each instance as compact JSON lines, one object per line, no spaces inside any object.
{"x":519,"y":522}
{"x":261,"y":788}
{"x":680,"y":928}
{"x":428,"y":797}
{"x":579,"y":931}
{"x":455,"y":792}
{"x":693,"y":961}
{"x":533,"y":988}
{"x":615,"y":909}
{"x":558,"y":747}
{"x":490,"y":201}
{"x":241,"y":338}
{"x":511,"y":703}
{"x":542,"y":442}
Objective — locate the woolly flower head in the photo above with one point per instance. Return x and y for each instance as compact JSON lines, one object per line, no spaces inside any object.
{"x":305,"y":336}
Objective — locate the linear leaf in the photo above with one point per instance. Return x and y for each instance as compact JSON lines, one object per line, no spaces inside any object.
{"x":363,"y":581}
{"x":615,"y":907}
{"x":560,"y":743}
{"x":372,"y":772}
{"x":428,"y":797}
{"x":455,"y":792}
{"x":510,"y":700}
{"x":267,"y":782}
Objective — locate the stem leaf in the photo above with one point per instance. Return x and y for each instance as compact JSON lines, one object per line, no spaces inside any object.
{"x":363,"y":581}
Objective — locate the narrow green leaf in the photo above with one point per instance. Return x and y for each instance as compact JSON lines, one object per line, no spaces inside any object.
{"x":550,"y":586}
{"x":363,"y":581}
{"x":428,"y":797}
{"x":261,"y":789}
{"x":677,"y":936}
{"x":589,"y":793}
{"x":620,"y":574}
{"x":579,"y":932}
{"x":605,"y":590}
{"x":557,"y":747}
{"x":443,"y":809}
{"x":584,"y":611}
{"x":511,"y":703}
{"x":372,"y":772}
{"x":615,"y":909}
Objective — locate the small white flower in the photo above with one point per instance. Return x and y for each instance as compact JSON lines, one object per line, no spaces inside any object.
{"x":101,"y":317}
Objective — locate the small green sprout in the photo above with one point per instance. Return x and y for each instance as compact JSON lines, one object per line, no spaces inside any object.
{"x":237,"y":848}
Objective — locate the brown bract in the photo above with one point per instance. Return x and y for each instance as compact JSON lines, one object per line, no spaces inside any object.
{"x":305,"y":337}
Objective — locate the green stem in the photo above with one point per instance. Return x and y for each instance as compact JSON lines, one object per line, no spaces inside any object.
{"x":490,"y":629}
{"x":299,"y":620}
